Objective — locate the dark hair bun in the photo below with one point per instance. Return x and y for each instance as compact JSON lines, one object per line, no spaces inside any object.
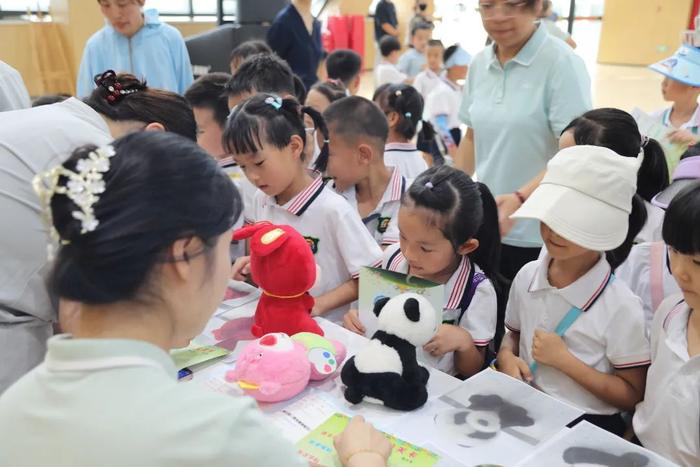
{"x":160,"y":187}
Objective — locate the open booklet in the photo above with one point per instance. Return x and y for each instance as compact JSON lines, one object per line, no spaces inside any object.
{"x":376,"y":283}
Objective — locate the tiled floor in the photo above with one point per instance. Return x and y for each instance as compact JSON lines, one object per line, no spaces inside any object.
{"x":625,"y":87}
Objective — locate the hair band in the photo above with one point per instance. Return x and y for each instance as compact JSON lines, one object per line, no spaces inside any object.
{"x":274,"y":101}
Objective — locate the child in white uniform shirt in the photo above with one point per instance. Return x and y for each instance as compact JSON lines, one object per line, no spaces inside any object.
{"x":427,"y":79}
{"x":387,"y":72}
{"x":666,"y":421}
{"x":449,"y":235}
{"x":358,"y":132}
{"x":647,"y":269}
{"x":617,"y":130}
{"x":403,"y":107}
{"x":574,"y":331}
{"x":442,"y":103}
{"x":266,"y":136}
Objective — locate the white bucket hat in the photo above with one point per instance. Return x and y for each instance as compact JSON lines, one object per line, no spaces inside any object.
{"x":586,"y":196}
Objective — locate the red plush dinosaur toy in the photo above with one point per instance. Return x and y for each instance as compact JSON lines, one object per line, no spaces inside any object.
{"x":283,"y":266}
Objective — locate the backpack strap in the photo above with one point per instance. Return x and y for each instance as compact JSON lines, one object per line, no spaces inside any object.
{"x":657,"y":256}
{"x":475,"y":278}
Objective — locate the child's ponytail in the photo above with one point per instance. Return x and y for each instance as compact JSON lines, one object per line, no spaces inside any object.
{"x":488,"y":255}
{"x":320,"y":126}
{"x":637,"y":219}
{"x":407,"y":103}
{"x":653,"y":176}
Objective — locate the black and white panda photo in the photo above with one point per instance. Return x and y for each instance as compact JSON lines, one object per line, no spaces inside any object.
{"x":481,"y":422}
{"x":579,"y":456}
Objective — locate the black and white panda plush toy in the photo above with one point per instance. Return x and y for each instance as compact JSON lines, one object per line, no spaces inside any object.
{"x":386,"y":371}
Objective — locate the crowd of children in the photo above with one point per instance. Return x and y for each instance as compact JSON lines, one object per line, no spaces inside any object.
{"x":605,"y":319}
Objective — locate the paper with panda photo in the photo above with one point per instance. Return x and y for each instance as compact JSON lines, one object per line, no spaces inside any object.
{"x":376,"y":283}
{"x":490,"y":418}
{"x":587,"y":445}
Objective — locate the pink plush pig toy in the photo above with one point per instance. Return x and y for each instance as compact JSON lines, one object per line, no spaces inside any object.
{"x":277,"y":367}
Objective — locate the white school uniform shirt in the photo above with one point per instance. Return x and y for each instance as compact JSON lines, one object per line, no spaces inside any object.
{"x":117,"y":402}
{"x":444,"y":99}
{"x":692,"y":125}
{"x":388,"y":73}
{"x":381,"y":222}
{"x":647,"y":274}
{"x":406,"y":157}
{"x":667,"y":421}
{"x":426,"y":81}
{"x":607,"y":337}
{"x":651,"y":232}
{"x":340,"y":242}
{"x":13,"y":92}
{"x":479,"y":319}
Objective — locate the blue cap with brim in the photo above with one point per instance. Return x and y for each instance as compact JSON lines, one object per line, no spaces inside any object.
{"x":683,"y":66}
{"x":460,"y":57}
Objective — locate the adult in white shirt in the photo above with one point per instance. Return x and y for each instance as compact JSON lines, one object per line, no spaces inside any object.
{"x":148,"y":278}
{"x":13,"y":92}
{"x":32,"y":141}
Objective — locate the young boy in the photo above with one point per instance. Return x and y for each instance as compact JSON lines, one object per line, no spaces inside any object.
{"x":413,"y":60}
{"x":260,"y":73}
{"x":358,"y":131}
{"x":245,"y":50}
{"x":387,"y":72}
{"x":666,"y":421}
{"x":681,"y":86}
{"x":442,"y":102}
{"x":210,"y":107}
{"x":429,"y":78}
{"x":345,"y":65}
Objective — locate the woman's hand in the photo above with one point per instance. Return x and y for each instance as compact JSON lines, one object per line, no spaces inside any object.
{"x":360,"y":444}
{"x":507,"y":205}
{"x":351,"y":322}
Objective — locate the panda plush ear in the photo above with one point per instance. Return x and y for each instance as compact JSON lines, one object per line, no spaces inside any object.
{"x":379,"y":304}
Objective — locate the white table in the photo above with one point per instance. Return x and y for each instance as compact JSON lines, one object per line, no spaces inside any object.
{"x":328,"y":393}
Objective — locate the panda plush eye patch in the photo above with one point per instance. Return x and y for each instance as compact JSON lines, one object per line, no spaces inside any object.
{"x":412,"y":309}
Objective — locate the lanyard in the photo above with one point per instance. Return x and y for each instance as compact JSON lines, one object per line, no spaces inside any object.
{"x":572,"y":315}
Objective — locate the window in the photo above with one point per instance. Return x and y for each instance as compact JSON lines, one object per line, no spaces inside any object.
{"x":188,"y":7}
{"x":20,"y":6}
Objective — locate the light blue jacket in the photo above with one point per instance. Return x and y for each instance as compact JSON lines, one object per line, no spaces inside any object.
{"x":156,"y":52}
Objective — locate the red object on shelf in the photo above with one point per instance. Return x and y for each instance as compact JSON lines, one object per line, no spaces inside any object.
{"x":693,"y":13}
{"x":345,"y":32}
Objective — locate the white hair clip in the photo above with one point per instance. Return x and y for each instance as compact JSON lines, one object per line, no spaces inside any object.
{"x":429,"y":185}
{"x":83,"y":188}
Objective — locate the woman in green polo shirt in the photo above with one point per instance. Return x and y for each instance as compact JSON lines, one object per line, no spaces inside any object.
{"x":144,"y":228}
{"x":521,"y":92}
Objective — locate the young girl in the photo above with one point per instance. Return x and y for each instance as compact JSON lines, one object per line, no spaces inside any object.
{"x":449,"y":235}
{"x":320,"y":96}
{"x":617,"y":130}
{"x":667,"y":420}
{"x":647,"y":270}
{"x":403,"y":107}
{"x":599,"y":365}
{"x":147,"y":258}
{"x":266,"y":136}
{"x":135,"y":41}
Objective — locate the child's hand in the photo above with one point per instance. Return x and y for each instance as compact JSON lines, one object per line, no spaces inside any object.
{"x":683,"y":137}
{"x":513,"y":366}
{"x":241,"y":268}
{"x":449,"y":338}
{"x":351,"y":322}
{"x":549,"y":349}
